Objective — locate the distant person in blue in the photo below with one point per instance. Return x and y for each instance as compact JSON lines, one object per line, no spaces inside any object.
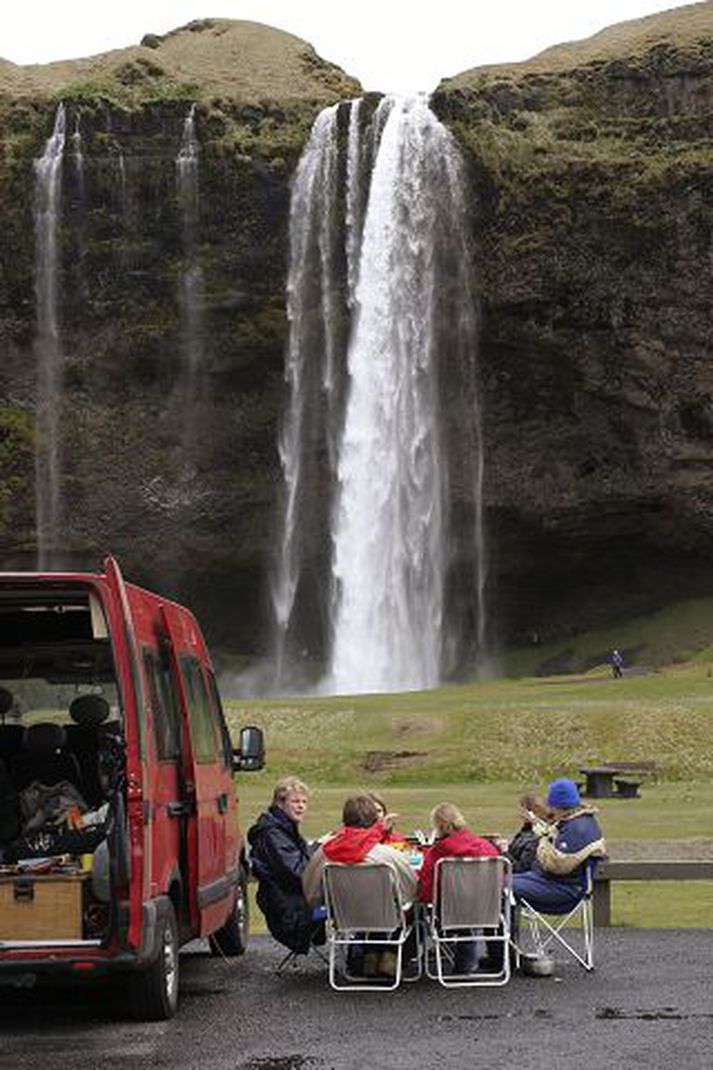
{"x":617,"y":664}
{"x":557,"y":880}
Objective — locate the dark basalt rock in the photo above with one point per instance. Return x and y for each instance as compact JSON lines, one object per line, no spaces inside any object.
{"x":592,"y":192}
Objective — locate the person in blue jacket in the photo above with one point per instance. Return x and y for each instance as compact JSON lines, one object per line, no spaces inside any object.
{"x":617,"y":664}
{"x":557,"y":879}
{"x":278,"y":855}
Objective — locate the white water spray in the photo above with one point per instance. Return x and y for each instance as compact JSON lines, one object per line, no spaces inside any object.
{"x":191,"y":282}
{"x":390,"y":522}
{"x":308,"y":287}
{"x":48,"y":184}
{"x":403,"y":274}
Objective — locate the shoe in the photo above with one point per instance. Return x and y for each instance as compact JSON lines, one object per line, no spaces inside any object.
{"x":490,"y":965}
{"x":371,"y":963}
{"x":387,"y":964}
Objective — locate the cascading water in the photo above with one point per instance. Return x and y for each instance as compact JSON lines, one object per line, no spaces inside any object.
{"x":78,"y":155}
{"x":191,"y":284}
{"x":48,"y":183}
{"x":403,"y":275}
{"x":390,"y":525}
{"x":312,"y":345}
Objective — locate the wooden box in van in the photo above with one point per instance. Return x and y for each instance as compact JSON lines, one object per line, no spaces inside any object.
{"x":42,"y":907}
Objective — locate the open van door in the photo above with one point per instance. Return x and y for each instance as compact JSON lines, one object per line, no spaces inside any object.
{"x":128,"y":862}
{"x":205,"y":801}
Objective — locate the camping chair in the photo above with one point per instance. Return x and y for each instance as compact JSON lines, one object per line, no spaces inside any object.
{"x":319,"y":915}
{"x":556,"y":926}
{"x":471,"y":901}
{"x":365,"y":911}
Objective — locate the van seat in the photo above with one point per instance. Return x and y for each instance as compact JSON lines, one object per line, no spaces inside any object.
{"x":85,"y":739}
{"x":10,"y":741}
{"x":44,"y":757}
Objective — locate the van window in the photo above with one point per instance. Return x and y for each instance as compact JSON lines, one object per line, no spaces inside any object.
{"x":217,"y":709}
{"x":204,"y":732}
{"x":167,"y":725}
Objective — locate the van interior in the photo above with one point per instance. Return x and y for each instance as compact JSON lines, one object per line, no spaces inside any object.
{"x":62,"y":765}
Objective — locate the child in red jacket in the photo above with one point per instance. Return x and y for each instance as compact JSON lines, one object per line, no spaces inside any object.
{"x":453,"y":840}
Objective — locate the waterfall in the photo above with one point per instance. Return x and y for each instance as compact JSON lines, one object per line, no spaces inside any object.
{"x":380,"y":243}
{"x":48,"y":183}
{"x":78,"y":156}
{"x":190,"y":284}
{"x":390,"y":528}
{"x":312,"y":340}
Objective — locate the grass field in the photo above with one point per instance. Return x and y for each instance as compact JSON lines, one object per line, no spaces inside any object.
{"x":481,"y":745}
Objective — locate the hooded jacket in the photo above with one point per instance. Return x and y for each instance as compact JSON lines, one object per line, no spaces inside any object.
{"x":278,"y":855}
{"x":351,"y":845}
{"x":459,"y":844}
{"x":576,"y":838}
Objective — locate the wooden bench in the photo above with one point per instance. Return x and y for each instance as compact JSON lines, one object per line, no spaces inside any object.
{"x":631,"y":870}
{"x":627,"y":789}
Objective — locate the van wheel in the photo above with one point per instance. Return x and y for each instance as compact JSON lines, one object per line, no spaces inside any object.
{"x":232,"y":938}
{"x":153,"y":993}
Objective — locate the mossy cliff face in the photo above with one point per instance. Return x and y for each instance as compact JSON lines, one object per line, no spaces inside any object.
{"x":179,"y":480}
{"x":592,"y":190}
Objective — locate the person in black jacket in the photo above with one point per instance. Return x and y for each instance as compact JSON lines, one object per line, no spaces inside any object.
{"x":522,"y":849}
{"x":278,"y":855}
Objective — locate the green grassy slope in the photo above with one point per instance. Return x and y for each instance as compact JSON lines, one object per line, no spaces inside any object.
{"x":521,"y":731}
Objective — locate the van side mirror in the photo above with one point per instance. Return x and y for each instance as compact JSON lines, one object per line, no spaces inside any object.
{"x":250,"y":755}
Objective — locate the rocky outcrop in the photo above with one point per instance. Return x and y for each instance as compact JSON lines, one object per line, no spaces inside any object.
{"x":592,"y":192}
{"x":196,"y":522}
{"x":592,"y":179}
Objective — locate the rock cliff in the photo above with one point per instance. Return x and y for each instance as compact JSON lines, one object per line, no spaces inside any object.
{"x":591,"y":174}
{"x":592,"y":182}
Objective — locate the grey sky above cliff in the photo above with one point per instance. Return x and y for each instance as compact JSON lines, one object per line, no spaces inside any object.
{"x":389,"y":45}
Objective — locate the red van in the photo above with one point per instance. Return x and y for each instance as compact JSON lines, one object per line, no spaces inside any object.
{"x":119,"y":838}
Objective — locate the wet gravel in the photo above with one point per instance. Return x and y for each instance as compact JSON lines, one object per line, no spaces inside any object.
{"x":648,"y":1004}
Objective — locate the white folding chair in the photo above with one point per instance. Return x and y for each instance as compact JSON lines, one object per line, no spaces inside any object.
{"x":365,"y":910}
{"x":471,"y":901}
{"x":572,"y":927}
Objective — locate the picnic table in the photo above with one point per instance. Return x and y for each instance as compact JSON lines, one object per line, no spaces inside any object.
{"x":610,"y":781}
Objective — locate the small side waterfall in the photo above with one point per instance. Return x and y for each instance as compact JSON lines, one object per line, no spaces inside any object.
{"x":191,"y":283}
{"x":383,"y":417}
{"x":48,"y":184}
{"x":78,"y":156}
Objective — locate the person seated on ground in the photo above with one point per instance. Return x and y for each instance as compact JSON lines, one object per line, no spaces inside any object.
{"x":536,"y":818}
{"x":453,"y":839}
{"x":557,"y":879}
{"x":387,"y":819}
{"x":278,"y":856}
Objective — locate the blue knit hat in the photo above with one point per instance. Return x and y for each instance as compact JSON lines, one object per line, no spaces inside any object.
{"x":563,"y":794}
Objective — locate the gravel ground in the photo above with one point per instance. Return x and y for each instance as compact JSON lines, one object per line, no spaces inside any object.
{"x":649,"y":1003}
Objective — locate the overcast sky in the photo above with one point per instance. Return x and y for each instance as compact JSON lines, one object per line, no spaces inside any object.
{"x":389,"y":45}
